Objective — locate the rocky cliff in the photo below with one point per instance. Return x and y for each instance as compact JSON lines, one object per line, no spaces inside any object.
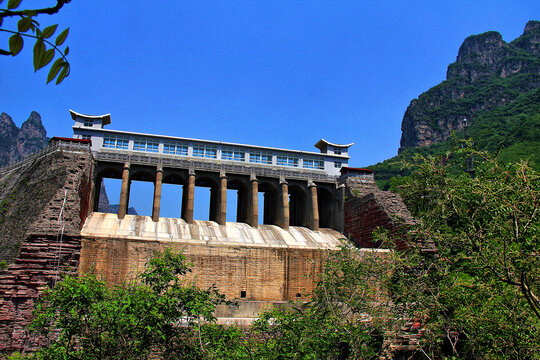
{"x":16,"y":143}
{"x":488,"y":73}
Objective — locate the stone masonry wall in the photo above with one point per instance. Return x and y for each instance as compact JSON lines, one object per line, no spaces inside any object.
{"x":40,"y":233}
{"x":367,"y":207}
{"x":41,"y":262}
{"x":264,"y":273}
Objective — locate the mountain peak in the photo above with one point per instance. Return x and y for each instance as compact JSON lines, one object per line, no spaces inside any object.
{"x":7,"y":126}
{"x":488,"y":73}
{"x":531,"y":26}
{"x":482,"y":48}
{"x":33,"y":127}
{"x":530,"y":40}
{"x":17,"y":143}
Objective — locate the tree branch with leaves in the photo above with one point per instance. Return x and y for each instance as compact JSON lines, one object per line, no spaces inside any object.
{"x":45,"y":48}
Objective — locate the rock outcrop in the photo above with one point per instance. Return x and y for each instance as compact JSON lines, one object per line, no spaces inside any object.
{"x":16,"y":143}
{"x":488,"y":73}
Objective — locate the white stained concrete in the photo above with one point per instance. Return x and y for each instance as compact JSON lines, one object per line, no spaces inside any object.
{"x":135,"y":227}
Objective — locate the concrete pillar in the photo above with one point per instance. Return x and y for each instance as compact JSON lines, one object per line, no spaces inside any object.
{"x":339,"y":214}
{"x":253,"y":208}
{"x":313,"y":208}
{"x":124,"y":192}
{"x":96,"y":191}
{"x":214,"y":204}
{"x":128,"y":195}
{"x":189,"y":196}
{"x":157,"y":193}
{"x":92,"y":194}
{"x":267,"y":219}
{"x":284,"y":206}
{"x":222,"y":202}
{"x":241,"y":207}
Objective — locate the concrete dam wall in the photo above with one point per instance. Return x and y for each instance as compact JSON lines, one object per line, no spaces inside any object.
{"x":259,"y":265}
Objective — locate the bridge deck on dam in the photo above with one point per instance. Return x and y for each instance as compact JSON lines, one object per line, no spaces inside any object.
{"x":173,"y":230}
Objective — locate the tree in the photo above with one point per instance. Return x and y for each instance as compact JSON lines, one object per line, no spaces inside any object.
{"x":81,"y":318}
{"x":164,"y":316}
{"x":473,"y":269}
{"x":45,"y":49}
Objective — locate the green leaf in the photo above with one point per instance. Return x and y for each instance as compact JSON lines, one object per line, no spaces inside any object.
{"x":55,"y":68}
{"x":24,"y":24}
{"x":49,"y":31}
{"x":63,"y":73}
{"x":15,"y":44}
{"x":13,"y":4}
{"x":47,"y":58}
{"x":62,"y":37}
{"x":66,"y":51}
{"x":39,"y":53}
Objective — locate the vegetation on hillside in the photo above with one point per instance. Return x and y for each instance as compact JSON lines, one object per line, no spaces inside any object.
{"x":488,"y":77}
{"x":478,"y":291}
{"x":475,"y":95}
{"x":511,"y":131}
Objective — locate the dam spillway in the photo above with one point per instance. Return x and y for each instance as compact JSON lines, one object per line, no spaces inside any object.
{"x":174,"y":230}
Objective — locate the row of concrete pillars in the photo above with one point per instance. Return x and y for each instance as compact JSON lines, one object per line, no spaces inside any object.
{"x":218,"y":201}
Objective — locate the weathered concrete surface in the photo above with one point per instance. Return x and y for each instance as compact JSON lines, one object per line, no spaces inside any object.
{"x":105,"y":225}
{"x":264,"y":264}
{"x":46,"y":194}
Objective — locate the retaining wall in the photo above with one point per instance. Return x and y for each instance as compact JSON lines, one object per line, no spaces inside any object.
{"x":47,"y":203}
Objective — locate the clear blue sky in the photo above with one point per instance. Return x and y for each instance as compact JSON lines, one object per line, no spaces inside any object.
{"x":274,"y":73}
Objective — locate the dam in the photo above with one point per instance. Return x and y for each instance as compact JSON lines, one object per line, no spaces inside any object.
{"x":312,"y":201}
{"x":255,"y":263}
